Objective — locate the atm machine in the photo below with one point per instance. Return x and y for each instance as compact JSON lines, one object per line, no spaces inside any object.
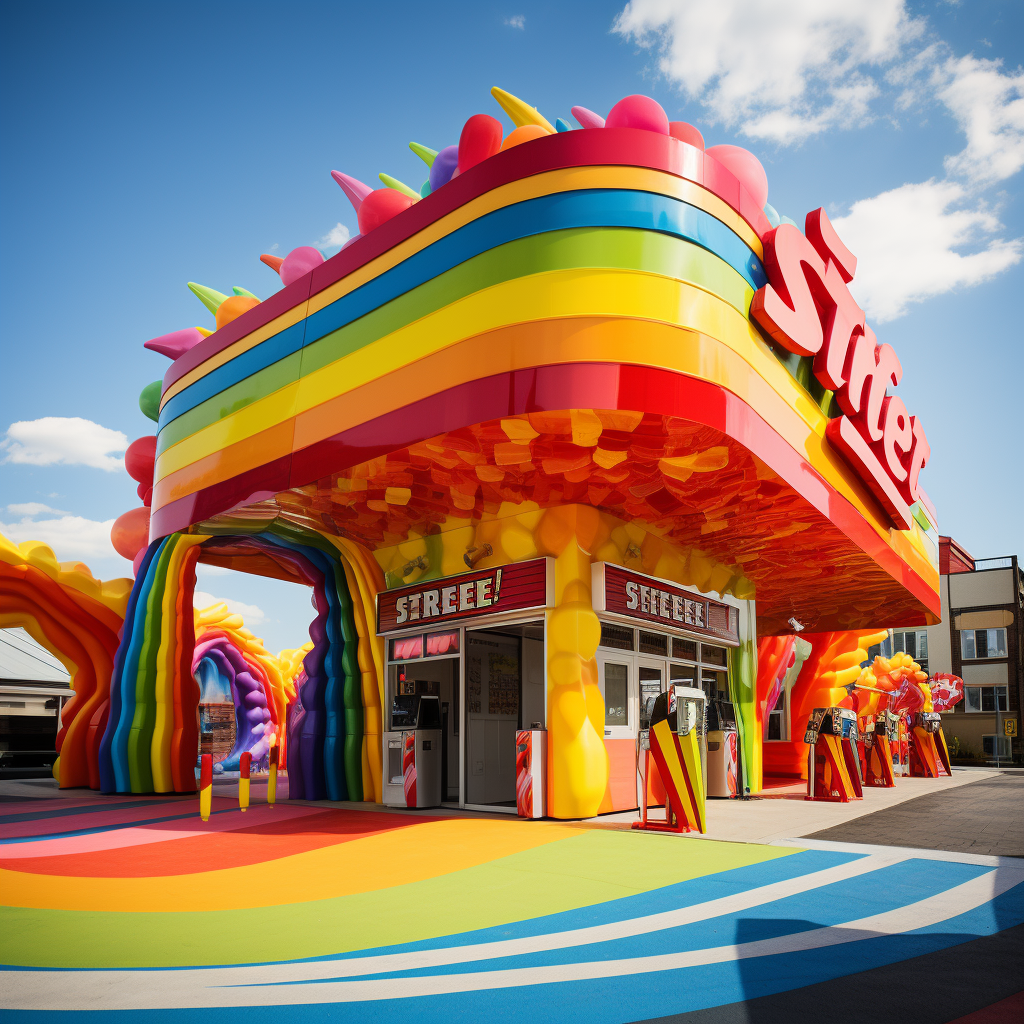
{"x":929,"y":756}
{"x":412,"y":752}
{"x":723,"y":750}
{"x":676,"y":740}
{"x":833,"y":764}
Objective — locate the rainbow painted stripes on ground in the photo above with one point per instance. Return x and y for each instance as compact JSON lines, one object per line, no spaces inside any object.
{"x":116,"y":908}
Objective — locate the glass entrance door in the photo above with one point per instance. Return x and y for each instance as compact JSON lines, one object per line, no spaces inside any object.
{"x":652,"y":682}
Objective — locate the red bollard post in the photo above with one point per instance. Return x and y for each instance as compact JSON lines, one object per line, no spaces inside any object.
{"x":205,"y":786}
{"x":245,"y":767}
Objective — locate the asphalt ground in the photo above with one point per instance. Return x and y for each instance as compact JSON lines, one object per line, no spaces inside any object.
{"x":983,"y":817}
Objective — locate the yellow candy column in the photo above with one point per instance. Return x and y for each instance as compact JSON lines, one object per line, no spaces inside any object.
{"x":577,"y":759}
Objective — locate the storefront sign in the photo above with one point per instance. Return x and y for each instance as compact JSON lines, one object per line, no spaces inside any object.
{"x":807,"y":308}
{"x":485,"y":592}
{"x":628,"y":593}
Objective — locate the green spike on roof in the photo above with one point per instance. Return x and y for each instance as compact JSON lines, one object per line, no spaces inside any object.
{"x":207,"y":296}
{"x":425,"y":153}
{"x":399,"y":186}
{"x":245,"y":291}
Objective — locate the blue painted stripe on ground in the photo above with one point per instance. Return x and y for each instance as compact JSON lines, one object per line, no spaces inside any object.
{"x":654,"y":901}
{"x":10,"y":819}
{"x":579,"y":209}
{"x":888,"y":888}
{"x":612,"y":1000}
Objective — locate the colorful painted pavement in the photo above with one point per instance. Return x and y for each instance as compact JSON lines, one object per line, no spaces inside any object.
{"x":119,"y":907}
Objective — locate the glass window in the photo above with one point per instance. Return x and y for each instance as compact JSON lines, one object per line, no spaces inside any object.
{"x":711,"y":655}
{"x":616,"y":694}
{"x":650,"y":687}
{"x":442,"y":643}
{"x":653,"y":643}
{"x":682,"y":675}
{"x":982,"y":643}
{"x":991,"y":743}
{"x":619,"y":637}
{"x":967,"y":644}
{"x":715,"y":684}
{"x":407,"y":647}
{"x":777,"y":718}
{"x":983,"y":698}
{"x":684,"y":649}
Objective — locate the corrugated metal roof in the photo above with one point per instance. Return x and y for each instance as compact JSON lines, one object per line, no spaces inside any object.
{"x":25,"y":661}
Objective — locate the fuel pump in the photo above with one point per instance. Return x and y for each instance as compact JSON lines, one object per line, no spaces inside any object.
{"x":676,"y":742}
{"x":929,"y":756}
{"x":882,"y":733}
{"x":833,"y":765}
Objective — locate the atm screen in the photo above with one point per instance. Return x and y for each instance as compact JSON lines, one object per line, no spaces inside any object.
{"x":404,"y":712}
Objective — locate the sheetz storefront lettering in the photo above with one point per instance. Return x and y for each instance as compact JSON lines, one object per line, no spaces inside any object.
{"x":486,"y":592}
{"x":807,"y":308}
{"x":622,"y":592}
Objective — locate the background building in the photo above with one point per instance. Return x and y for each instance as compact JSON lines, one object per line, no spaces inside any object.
{"x":33,"y":687}
{"x":979,"y":639}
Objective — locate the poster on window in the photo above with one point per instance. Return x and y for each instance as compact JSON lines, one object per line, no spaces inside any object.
{"x":503,"y":692}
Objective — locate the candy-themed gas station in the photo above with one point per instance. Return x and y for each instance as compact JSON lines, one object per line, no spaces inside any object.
{"x":599,"y":478}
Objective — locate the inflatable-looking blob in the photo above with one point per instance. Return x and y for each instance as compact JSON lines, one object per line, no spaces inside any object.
{"x":597,"y":351}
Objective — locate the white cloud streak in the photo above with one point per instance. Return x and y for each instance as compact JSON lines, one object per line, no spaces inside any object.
{"x":32,"y":508}
{"x":72,"y":538}
{"x":780,"y":70}
{"x":988,"y":104}
{"x":335,"y":238}
{"x":251,"y":613}
{"x":908,"y":243}
{"x":64,"y":440}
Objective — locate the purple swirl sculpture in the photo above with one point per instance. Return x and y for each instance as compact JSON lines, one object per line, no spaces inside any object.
{"x":215,"y":653}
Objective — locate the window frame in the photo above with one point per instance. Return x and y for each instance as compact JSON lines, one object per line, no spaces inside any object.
{"x":974,"y":645}
{"x":604,"y":656}
{"x":1004,"y":699}
{"x":1001,"y":741}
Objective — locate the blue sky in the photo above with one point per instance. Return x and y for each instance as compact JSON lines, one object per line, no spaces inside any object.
{"x":146,"y":145}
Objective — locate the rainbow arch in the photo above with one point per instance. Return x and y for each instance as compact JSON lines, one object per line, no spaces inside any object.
{"x":151,"y":736}
{"x":78,"y":618}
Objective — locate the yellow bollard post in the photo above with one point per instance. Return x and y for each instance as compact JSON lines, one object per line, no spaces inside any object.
{"x":272,"y":781}
{"x":243,"y":781}
{"x":205,"y":786}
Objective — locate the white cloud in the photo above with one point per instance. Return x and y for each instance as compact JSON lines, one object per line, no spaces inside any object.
{"x":67,"y":440}
{"x":516,"y":21}
{"x":778,"y":69}
{"x":71,"y":537}
{"x":909,"y":244}
{"x":202,"y":569}
{"x":251,"y":613}
{"x":989,"y":107}
{"x":335,"y":238}
{"x":33,"y":508}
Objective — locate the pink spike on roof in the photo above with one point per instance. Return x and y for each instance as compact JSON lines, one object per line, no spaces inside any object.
{"x":353,"y":188}
{"x":587,"y":118}
{"x":175,"y":344}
